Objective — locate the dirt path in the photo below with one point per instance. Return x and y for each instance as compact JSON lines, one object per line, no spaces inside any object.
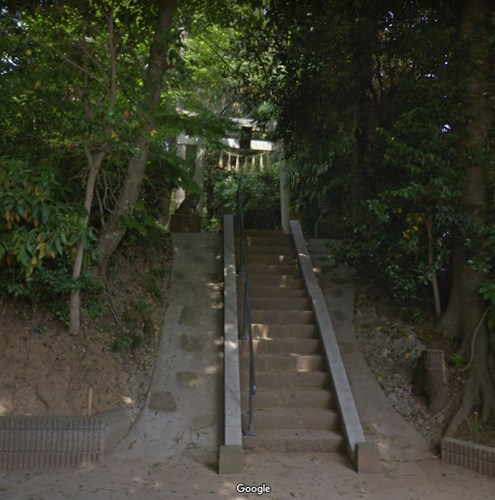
{"x":171,"y":453}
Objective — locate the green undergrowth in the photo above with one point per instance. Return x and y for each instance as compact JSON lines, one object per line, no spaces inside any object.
{"x":141,"y":269}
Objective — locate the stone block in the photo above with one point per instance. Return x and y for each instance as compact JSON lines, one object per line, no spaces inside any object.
{"x":185,"y":223}
{"x":367,"y":458}
{"x":230,"y":461}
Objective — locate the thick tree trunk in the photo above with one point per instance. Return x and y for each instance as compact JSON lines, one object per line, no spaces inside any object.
{"x":430,"y":378}
{"x":466,"y":308}
{"x":112,"y":232}
{"x":365,"y":114}
{"x":362,"y":138}
{"x":448,"y":324}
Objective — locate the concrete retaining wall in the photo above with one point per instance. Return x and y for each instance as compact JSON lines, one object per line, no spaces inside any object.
{"x":41,"y":443}
{"x":472,"y":456}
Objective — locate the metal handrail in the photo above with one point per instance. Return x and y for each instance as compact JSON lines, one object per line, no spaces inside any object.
{"x":248,"y":332}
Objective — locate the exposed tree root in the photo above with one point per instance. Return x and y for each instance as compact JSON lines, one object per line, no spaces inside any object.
{"x":473,"y":340}
{"x":479,"y":388}
{"x":462,"y":413}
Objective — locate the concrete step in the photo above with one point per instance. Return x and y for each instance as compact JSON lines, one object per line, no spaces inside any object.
{"x":275,"y":233}
{"x":287,"y":379}
{"x":262,"y":330}
{"x":261,"y":291}
{"x":288,"y":260}
{"x":294,"y":405}
{"x":282,"y":317}
{"x":260,"y":241}
{"x":286,"y":346}
{"x":294,"y":331}
{"x":271,"y":240}
{"x":282,"y":280}
{"x":267,"y":233}
{"x":293,"y":418}
{"x":269,"y":250}
{"x":283,"y":440}
{"x":283,"y":269}
{"x":281,"y":303}
{"x":299,"y":397}
{"x":282,"y":362}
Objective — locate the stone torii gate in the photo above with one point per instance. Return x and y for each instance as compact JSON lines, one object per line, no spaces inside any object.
{"x":252,"y":145}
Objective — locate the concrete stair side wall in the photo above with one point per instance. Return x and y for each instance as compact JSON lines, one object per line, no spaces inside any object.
{"x":230,"y":453}
{"x":363,"y":455}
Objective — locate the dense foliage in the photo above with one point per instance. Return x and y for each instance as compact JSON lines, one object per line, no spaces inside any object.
{"x":77,"y":114}
{"x":260,"y":195}
{"x":385,"y":109}
{"x":371,"y":105}
{"x":35,"y":224}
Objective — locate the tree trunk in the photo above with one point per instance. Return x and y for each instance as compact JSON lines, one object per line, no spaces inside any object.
{"x":431,"y":260}
{"x":164,"y":217}
{"x":466,"y":308}
{"x":112,"y":232}
{"x":94,"y":163}
{"x":448,"y":324}
{"x":364,"y":113}
{"x":362,"y":137}
{"x":430,"y":378}
{"x":199,"y":170}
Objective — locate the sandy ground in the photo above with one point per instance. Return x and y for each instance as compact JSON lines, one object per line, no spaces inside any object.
{"x":172,"y":451}
{"x":315,"y":476}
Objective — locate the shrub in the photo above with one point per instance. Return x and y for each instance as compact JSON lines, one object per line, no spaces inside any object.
{"x":260,"y":195}
{"x":36,"y":224}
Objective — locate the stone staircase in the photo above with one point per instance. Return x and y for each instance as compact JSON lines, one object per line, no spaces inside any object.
{"x":294,"y":408}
